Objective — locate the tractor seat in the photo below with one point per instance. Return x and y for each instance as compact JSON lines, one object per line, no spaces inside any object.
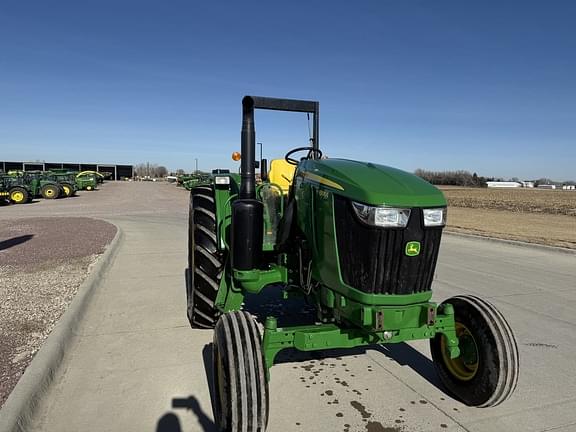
{"x":281,"y":173}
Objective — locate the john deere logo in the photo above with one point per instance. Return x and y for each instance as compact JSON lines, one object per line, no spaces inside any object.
{"x":413,"y":248}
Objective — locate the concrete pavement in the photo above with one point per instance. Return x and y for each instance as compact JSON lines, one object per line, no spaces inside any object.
{"x":136,"y":365}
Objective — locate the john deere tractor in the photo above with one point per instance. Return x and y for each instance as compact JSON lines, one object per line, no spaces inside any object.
{"x":192,"y":180}
{"x":87,"y":180}
{"x":14,"y":190}
{"x":359,"y":241}
{"x":66,"y":180}
{"x":39,"y":185}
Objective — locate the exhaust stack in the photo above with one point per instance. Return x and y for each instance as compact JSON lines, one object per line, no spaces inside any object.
{"x":247,"y":212}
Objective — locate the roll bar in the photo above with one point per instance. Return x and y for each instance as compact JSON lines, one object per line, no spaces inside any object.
{"x":248,"y":135}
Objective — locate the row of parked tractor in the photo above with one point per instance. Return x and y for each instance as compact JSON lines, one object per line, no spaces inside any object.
{"x":188,"y":181}
{"x":21,"y":187}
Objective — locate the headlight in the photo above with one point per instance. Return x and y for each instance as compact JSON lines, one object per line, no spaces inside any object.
{"x":222,"y":180}
{"x":382,"y":216}
{"x":435,"y":217}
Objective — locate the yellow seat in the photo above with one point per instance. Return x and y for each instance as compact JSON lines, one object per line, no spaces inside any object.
{"x":281,"y":173}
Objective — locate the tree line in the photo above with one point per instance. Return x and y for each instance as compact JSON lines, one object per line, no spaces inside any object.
{"x":150,"y":170}
{"x":453,"y":178}
{"x":465,"y":178}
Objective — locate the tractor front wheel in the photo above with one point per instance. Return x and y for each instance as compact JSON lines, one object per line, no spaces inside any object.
{"x":19,"y":195}
{"x":240,"y":385}
{"x":50,"y":192}
{"x":205,"y":261}
{"x":486,"y":372}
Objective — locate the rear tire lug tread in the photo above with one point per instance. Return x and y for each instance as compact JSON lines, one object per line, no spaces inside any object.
{"x":206,"y":262}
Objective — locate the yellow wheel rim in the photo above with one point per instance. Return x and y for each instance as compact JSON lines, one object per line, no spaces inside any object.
{"x":17,"y":196}
{"x":66,"y":190}
{"x":465,"y":366}
{"x":49,"y":192}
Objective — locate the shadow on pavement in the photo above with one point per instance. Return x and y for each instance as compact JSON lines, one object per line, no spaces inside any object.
{"x":168,"y":423}
{"x":209,"y":370}
{"x":405,"y":355}
{"x":15,"y":241}
{"x":192,"y":404}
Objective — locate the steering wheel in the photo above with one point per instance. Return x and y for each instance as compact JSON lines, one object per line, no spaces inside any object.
{"x":311,"y":151}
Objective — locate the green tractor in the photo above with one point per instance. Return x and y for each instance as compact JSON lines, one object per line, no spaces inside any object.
{"x":39,"y":185}
{"x":66,"y":180}
{"x":357,"y":240}
{"x":195,"y":179}
{"x":87,"y":180}
{"x":14,"y":189}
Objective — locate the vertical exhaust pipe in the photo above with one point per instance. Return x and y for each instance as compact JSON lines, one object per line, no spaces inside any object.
{"x":248,"y":149}
{"x":247,"y":212}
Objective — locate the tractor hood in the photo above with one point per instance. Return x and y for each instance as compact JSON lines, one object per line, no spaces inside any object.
{"x":371,"y":183}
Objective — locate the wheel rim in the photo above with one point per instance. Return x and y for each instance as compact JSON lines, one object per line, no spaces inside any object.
{"x":465,"y":366}
{"x":66,"y":190}
{"x":17,"y":196}
{"x":49,"y":193}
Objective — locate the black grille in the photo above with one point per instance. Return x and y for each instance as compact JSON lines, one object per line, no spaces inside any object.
{"x":373,"y":260}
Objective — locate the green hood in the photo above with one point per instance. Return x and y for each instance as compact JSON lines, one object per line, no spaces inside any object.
{"x":371,"y":183}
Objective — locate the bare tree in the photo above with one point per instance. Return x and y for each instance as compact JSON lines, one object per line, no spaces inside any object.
{"x":451,"y":178}
{"x":150,"y":170}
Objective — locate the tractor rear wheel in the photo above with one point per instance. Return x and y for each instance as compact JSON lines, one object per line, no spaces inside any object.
{"x":240,"y":385}
{"x":486,"y":372}
{"x":68,"y":189}
{"x":50,"y":191}
{"x":205,"y":261}
{"x":19,"y":195}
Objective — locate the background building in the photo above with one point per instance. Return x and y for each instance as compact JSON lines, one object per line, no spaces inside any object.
{"x":118,"y":171}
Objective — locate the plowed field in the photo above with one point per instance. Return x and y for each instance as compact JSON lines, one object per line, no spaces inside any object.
{"x":536,"y":216}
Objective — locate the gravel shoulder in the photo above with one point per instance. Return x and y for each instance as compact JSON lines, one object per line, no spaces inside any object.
{"x":43,"y":261}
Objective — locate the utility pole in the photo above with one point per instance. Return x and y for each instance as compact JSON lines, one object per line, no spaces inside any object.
{"x":196,"y":159}
{"x":260,"y":144}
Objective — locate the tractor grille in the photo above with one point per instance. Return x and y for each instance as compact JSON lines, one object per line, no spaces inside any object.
{"x":373,"y":260}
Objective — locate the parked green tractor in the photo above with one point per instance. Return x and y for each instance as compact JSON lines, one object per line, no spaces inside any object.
{"x":87,"y":180}
{"x":39,"y":185}
{"x":14,"y":189}
{"x":195,"y":179}
{"x":66,"y":180}
{"x":359,"y":241}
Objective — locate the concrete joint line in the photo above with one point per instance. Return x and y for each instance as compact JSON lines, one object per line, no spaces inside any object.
{"x":17,"y":412}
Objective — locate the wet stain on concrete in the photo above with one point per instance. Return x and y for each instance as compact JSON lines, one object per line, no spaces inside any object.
{"x":423,"y":402}
{"x":361,"y":409}
{"x":378,"y":427}
{"x":443,"y":426}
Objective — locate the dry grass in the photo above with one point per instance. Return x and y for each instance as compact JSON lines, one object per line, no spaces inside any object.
{"x":537,"y":216}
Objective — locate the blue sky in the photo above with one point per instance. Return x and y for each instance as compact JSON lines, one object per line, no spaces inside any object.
{"x":484,"y":86}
